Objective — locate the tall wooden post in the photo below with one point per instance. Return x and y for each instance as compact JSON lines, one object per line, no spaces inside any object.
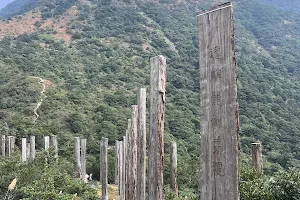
{"x":257,"y":160}
{"x":24,"y":150}
{"x":54,"y":144}
{"x":123,"y":193}
{"x":173,"y":167}
{"x":3,"y":145}
{"x":156,"y":137}
{"x":133,"y":158}
{"x":11,"y":145}
{"x":100,"y":158}
{"x":77,"y":163}
{"x":128,"y":161}
{"x":219,"y":105}
{"x":83,"y":157}
{"x":141,"y":145}
{"x":104,"y":169}
{"x":47,"y":142}
{"x":32,"y":148}
{"x":27,"y":151}
{"x":117,"y":160}
{"x":120,"y":168}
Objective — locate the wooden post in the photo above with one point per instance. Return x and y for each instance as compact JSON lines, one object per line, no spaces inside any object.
{"x":77,"y":158}
{"x":173,"y":167}
{"x":47,"y":142}
{"x":257,"y":160}
{"x":124,"y":155}
{"x":11,"y":145}
{"x":24,"y":151}
{"x":54,"y":145}
{"x":116,"y":162}
{"x":156,"y":136}
{"x":219,"y":105}
{"x":32,"y":148}
{"x":104,"y":169}
{"x":27,"y":151}
{"x":100,"y":158}
{"x":83,"y":158}
{"x":3,"y":145}
{"x":141,"y":145}
{"x":133,"y":158}
{"x":120,"y":168}
{"x":128,"y":160}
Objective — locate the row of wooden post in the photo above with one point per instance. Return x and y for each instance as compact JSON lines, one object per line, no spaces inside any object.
{"x":7,"y":145}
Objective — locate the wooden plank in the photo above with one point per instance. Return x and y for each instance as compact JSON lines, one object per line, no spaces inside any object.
{"x":104,"y":169}
{"x":133,"y":145}
{"x":120,"y":167}
{"x":173,"y":168}
{"x":27,"y":151}
{"x":47,"y":142}
{"x":257,"y":159}
{"x":123,"y":193}
{"x":141,"y":145}
{"x":11,"y":145}
{"x":83,"y":157}
{"x":128,"y":161}
{"x":3,"y":146}
{"x":54,"y":145}
{"x":156,"y":136}
{"x":32,"y":148}
{"x":24,"y":149}
{"x":77,"y":163}
{"x":117,"y":162}
{"x":219,"y":106}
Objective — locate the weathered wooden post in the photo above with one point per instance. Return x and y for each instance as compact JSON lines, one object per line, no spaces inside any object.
{"x":173,"y":168}
{"x":141,"y":145}
{"x":156,"y":137}
{"x":257,"y":159}
{"x":27,"y":151}
{"x":133,"y":158}
{"x":32,"y":148}
{"x":11,"y":145}
{"x":117,"y":160}
{"x":3,"y":146}
{"x":24,"y":151}
{"x":47,"y":142}
{"x":120,"y":168}
{"x":83,"y":157}
{"x":77,"y":158}
{"x":128,"y":160}
{"x":219,"y":105}
{"x":54,"y":145}
{"x":100,"y":158}
{"x":104,"y":169}
{"x":123,"y":193}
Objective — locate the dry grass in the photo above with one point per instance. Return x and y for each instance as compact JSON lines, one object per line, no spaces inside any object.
{"x":112,"y":192}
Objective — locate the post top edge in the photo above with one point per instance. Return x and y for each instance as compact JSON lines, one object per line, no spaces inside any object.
{"x":256,"y":143}
{"x":215,"y":8}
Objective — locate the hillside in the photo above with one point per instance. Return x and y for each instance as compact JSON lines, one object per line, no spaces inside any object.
{"x":3,"y":3}
{"x":96,"y":54}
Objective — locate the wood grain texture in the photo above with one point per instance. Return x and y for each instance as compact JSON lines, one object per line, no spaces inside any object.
{"x":3,"y":146}
{"x":156,"y":135}
{"x":117,"y":158}
{"x":133,"y":158}
{"x":173,"y":168}
{"x":104,"y":169}
{"x":122,"y":195}
{"x":141,"y":146}
{"x":77,"y":163}
{"x":83,"y":157}
{"x":32,"y":148}
{"x":257,"y":159}
{"x":120,"y":168}
{"x":219,"y":106}
{"x":24,"y":149}
{"x":47,"y":142}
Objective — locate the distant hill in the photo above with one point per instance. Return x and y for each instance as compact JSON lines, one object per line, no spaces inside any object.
{"x":16,"y":7}
{"x":3,"y":3}
{"x":290,"y":5}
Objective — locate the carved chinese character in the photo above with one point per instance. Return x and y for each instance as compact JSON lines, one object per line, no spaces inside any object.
{"x":218,"y":168}
{"x":215,"y":53}
{"x":213,"y":98}
{"x":215,"y":121}
{"x":218,"y":98}
{"x":216,"y":73}
{"x":217,"y":145}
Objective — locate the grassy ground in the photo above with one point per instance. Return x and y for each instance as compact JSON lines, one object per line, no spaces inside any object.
{"x":112,"y":192}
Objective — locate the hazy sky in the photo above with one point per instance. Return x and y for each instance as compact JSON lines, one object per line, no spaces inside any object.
{"x":3,"y":3}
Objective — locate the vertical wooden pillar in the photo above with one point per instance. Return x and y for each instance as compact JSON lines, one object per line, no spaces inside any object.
{"x":122,"y":194}
{"x":133,"y":158}
{"x":219,"y":105}
{"x":47,"y":142}
{"x":100,"y":158}
{"x":11,"y":145}
{"x":173,"y":168}
{"x":104,"y":169}
{"x":156,"y":137}
{"x":128,"y":161}
{"x":32,"y":148}
{"x":24,"y":151}
{"x":120,"y":168}
{"x":257,"y":160}
{"x":3,"y":145}
{"x":54,"y":144}
{"x":117,"y":162}
{"x":83,"y":158}
{"x":77,"y":162}
{"x":27,"y":151}
{"x":141,"y":145}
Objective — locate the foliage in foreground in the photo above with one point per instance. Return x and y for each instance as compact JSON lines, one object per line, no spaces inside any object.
{"x":43,"y":179}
